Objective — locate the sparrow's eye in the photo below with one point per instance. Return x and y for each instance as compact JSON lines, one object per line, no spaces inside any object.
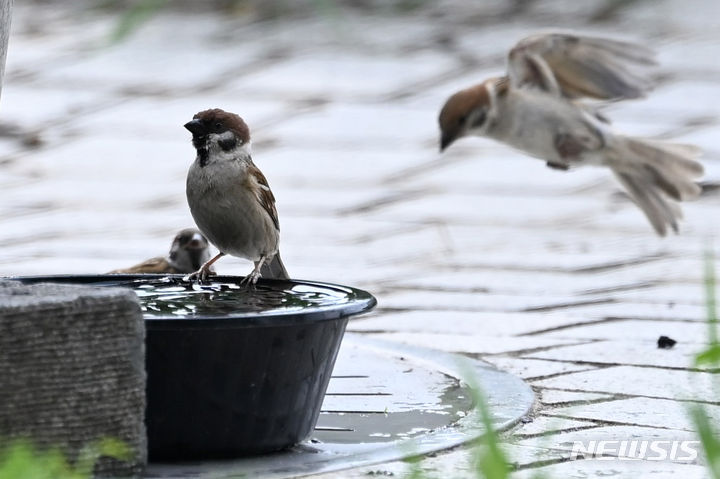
{"x":479,"y":120}
{"x":218,"y":126}
{"x":461,"y":120}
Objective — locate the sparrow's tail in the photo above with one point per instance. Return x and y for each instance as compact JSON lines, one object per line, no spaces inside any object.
{"x":274,"y":269}
{"x":656,"y":175}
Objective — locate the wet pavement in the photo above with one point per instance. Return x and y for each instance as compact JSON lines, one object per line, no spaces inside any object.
{"x":555,"y":277}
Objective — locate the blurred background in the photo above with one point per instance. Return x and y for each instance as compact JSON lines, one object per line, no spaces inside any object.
{"x":342,"y":100}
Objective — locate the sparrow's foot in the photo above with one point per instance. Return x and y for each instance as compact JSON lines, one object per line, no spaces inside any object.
{"x":251,"y":279}
{"x":202,"y":274}
{"x":254,"y":275}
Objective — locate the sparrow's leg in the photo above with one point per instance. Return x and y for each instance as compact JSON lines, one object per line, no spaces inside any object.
{"x":254,"y":275}
{"x":202,"y":274}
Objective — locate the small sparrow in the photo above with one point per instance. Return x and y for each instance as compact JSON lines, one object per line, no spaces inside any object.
{"x":189,"y":250}
{"x":229,"y":196}
{"x":536,"y":108}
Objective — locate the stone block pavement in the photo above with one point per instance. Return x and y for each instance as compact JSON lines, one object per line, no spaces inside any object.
{"x":555,"y":277}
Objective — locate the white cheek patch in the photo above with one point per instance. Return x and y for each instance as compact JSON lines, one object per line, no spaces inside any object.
{"x":244,"y":149}
{"x":491,"y":113}
{"x":227,"y":135}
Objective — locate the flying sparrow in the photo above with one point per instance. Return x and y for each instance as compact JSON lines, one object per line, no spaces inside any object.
{"x":189,"y":250}
{"x":536,"y":108}
{"x":229,"y":196}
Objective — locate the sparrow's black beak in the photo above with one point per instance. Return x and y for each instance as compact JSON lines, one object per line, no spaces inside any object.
{"x":196,"y":127}
{"x":446,"y":140}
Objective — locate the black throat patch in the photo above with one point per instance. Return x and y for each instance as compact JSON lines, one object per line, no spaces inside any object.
{"x":203,"y":156}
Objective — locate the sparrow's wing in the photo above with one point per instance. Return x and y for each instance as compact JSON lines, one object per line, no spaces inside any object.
{"x":259,"y":185}
{"x":152,"y":265}
{"x":576,"y":66}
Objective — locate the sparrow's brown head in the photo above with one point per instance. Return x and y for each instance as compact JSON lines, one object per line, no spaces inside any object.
{"x":217,"y":133}
{"x":215,"y":123}
{"x":462,"y":113}
{"x":189,"y":251}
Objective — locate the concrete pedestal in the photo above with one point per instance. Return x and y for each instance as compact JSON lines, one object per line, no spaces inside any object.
{"x":72,"y":368}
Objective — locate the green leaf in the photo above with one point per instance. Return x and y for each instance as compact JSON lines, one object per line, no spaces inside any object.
{"x":416,"y":471}
{"x":710,"y":356}
{"x":708,"y":439}
{"x":105,"y":447}
{"x":20,"y":460}
{"x":490,"y":459}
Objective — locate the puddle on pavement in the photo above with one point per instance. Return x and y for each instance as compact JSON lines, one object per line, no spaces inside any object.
{"x":353,"y":427}
{"x":382,"y":398}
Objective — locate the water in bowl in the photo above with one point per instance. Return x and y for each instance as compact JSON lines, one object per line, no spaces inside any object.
{"x":174,"y":297}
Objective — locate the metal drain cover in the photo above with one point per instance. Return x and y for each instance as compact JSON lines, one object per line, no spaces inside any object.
{"x":385,"y":402}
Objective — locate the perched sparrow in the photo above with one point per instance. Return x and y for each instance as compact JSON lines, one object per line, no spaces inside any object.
{"x":189,"y":250}
{"x":229,"y":196}
{"x":535,"y":108}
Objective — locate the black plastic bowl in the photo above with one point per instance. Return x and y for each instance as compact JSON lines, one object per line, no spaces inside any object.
{"x":231,"y":371}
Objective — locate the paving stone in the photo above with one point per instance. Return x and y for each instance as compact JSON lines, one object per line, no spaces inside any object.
{"x":646,"y":330}
{"x":337,"y":75}
{"x":492,"y":209}
{"x":324,"y":167}
{"x":59,"y":105}
{"x":546,"y":425}
{"x":530,"y":369}
{"x":456,"y":464}
{"x":679,"y":293}
{"x":509,"y":281}
{"x":162,"y":118}
{"x":473,"y":344}
{"x":310,"y":200}
{"x":499,"y":166}
{"x":461,"y":463}
{"x":676,"y":56}
{"x":466,"y":301}
{"x":605,"y":254}
{"x":489,"y":323}
{"x":564,"y":440}
{"x":95,"y":159}
{"x":635,"y":381}
{"x":357,"y":127}
{"x":520,"y":455}
{"x":343,"y":31}
{"x":542,"y":258}
{"x":554,"y":397}
{"x":636,"y":352}
{"x":157,"y":58}
{"x":603,"y":468}
{"x":52,"y":35}
{"x":635,"y":310}
{"x":640,"y":411}
{"x":626,"y":219}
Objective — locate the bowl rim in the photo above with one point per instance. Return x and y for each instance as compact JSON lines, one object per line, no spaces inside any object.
{"x":361,"y":301}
